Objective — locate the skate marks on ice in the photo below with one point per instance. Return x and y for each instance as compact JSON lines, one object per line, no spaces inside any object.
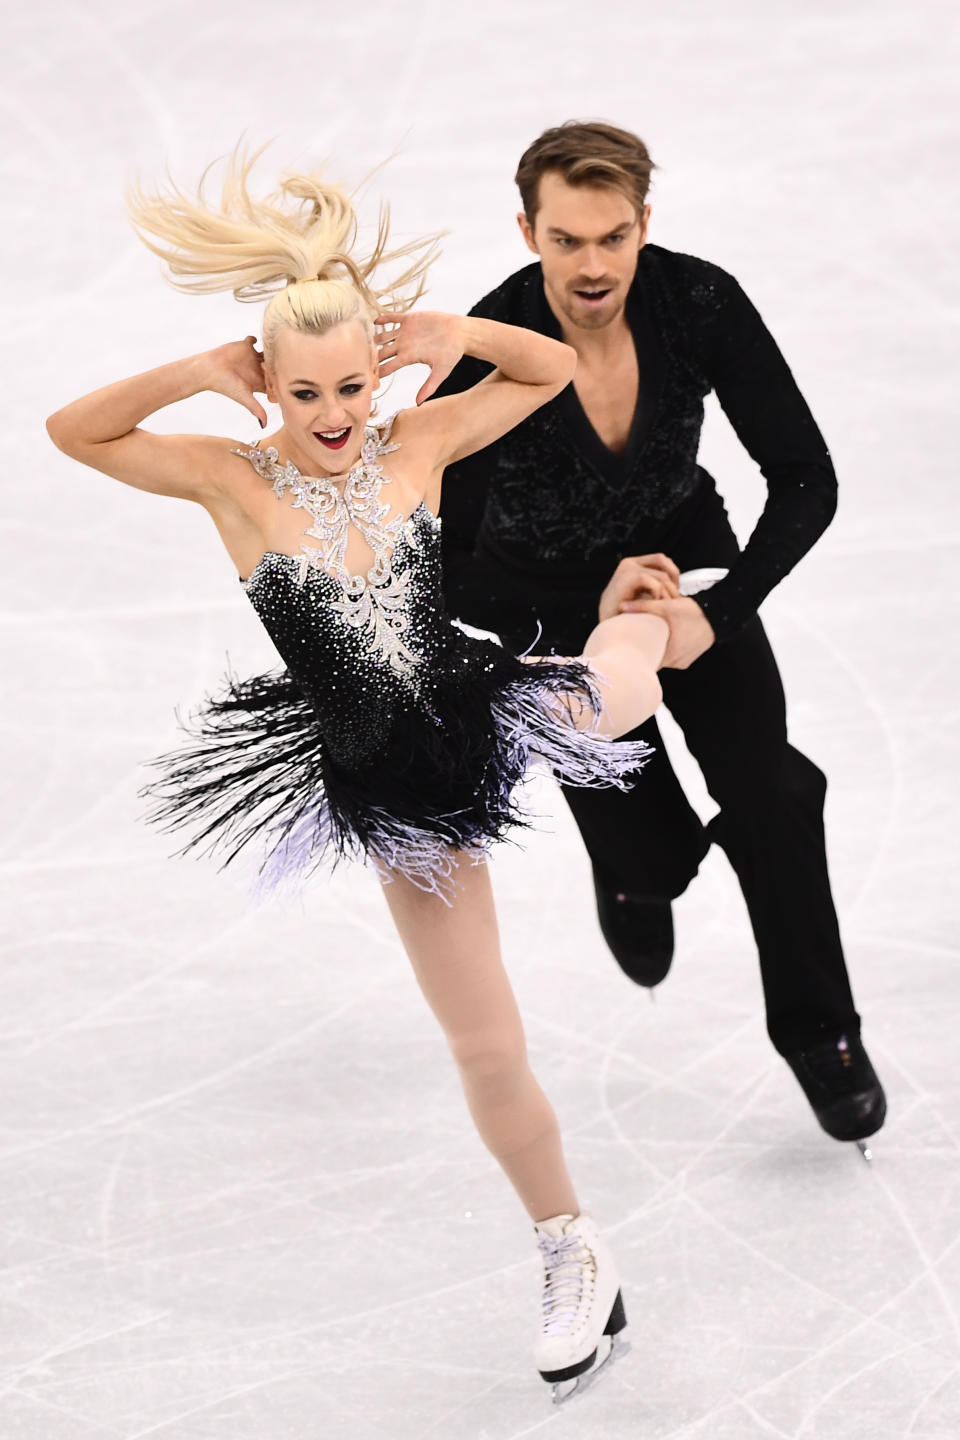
{"x":848,"y":1253}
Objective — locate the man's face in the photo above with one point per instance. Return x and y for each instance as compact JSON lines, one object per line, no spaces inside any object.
{"x":588,"y":238}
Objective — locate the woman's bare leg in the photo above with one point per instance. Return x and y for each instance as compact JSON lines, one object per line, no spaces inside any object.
{"x":455,"y":953}
{"x":624,"y":653}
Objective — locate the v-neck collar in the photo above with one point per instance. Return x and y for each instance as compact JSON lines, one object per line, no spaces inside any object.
{"x":615,"y":466}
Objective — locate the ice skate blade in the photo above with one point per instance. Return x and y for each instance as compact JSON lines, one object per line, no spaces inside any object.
{"x":612,"y":1348}
{"x":864,"y":1147}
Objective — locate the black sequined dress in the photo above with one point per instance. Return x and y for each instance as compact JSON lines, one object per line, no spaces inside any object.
{"x":391,"y":735}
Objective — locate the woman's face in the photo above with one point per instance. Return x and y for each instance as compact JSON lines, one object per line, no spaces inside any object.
{"x":324,"y":386}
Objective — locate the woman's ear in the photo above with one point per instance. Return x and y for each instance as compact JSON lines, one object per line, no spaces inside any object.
{"x":271,"y":383}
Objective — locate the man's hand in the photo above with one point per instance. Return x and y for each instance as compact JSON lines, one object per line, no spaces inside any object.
{"x":649,"y":577}
{"x":650,"y":584}
{"x":691,"y":633}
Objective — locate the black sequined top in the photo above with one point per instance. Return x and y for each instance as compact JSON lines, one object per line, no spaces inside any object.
{"x":550,"y":506}
{"x":362,"y":665}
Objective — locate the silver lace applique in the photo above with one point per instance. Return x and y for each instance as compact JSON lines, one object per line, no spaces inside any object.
{"x":375,"y":604}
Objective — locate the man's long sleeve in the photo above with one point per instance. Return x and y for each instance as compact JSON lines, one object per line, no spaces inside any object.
{"x":763,"y":403}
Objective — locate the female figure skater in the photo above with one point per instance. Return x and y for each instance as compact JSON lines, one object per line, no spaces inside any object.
{"x":391,"y":734}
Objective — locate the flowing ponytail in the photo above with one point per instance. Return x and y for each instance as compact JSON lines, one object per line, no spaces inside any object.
{"x":296,"y":246}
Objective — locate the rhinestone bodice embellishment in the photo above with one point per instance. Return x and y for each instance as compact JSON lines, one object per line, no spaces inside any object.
{"x":375,"y":604}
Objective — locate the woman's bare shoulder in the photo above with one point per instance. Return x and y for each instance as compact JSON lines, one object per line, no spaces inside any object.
{"x":420,"y":428}
{"x":243,"y":465}
{"x":401,"y":425}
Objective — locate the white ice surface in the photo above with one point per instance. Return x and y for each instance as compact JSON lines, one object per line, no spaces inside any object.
{"x":239,"y":1192}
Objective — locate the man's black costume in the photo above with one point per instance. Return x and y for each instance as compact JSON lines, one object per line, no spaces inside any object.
{"x":533,"y":528}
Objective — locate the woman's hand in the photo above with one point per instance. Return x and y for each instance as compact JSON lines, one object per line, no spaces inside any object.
{"x":236,"y":370}
{"x":104,"y":429}
{"x":639,"y":577}
{"x":528,"y":369}
{"x":422,"y":337}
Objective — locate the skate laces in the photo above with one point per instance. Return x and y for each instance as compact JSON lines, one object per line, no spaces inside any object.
{"x":569,"y":1266}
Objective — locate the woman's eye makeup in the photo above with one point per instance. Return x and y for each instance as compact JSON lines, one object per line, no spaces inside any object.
{"x":308,"y":395}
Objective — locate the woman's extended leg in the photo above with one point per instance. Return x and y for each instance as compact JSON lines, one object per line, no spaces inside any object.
{"x":455,"y":953}
{"x":624,"y":656}
{"x":624,"y":653}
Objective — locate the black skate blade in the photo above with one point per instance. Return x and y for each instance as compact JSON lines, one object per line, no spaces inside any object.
{"x":614,"y":1349}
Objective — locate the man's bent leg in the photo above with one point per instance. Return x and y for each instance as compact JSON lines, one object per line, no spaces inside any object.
{"x":645,"y":846}
{"x":647,"y":840}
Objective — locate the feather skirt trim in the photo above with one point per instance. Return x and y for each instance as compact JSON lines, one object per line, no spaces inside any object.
{"x":259,"y":773}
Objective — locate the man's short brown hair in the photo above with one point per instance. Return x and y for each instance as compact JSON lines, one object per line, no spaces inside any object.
{"x":586,"y":152}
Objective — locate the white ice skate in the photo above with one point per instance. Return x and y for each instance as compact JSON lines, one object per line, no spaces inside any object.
{"x":582,"y":1306}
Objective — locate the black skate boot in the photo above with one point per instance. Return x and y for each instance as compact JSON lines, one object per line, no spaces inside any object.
{"x":639,"y":933}
{"x":842,"y":1086}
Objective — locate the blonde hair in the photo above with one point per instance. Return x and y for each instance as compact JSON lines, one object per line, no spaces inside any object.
{"x":295,"y":246}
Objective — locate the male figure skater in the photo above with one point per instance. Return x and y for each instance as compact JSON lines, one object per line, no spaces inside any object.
{"x":596,"y":504}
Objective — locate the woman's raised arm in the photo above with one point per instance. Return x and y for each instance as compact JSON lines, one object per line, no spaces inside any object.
{"x":102,"y":429}
{"x":531,"y":369}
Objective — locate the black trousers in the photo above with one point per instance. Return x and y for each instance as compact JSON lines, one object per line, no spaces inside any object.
{"x":649,"y":841}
